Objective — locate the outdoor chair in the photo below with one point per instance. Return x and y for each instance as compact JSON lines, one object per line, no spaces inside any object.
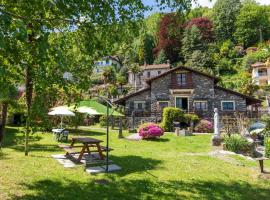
{"x":63,"y":135}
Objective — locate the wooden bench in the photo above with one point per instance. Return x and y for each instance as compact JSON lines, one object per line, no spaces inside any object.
{"x":261,"y":159}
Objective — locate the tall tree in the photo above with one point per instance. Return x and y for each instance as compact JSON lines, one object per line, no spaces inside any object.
{"x":29,"y":26}
{"x":252,"y":24}
{"x":169,"y":37}
{"x":224,"y":17}
{"x":192,"y":41}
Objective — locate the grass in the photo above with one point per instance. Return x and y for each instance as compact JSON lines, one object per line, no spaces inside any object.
{"x":151,"y":170}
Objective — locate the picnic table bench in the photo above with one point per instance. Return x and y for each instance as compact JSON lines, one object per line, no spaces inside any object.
{"x":87,"y":143}
{"x":261,"y":159}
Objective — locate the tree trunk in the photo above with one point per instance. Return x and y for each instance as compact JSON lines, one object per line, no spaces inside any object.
{"x":120,"y":134}
{"x":29,"y":90}
{"x":4,"y":119}
{"x":29,"y":95}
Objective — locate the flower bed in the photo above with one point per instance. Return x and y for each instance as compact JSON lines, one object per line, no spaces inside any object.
{"x":150,"y":130}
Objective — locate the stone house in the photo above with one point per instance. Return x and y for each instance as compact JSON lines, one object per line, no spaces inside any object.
{"x":185,"y":88}
{"x":138,"y":81}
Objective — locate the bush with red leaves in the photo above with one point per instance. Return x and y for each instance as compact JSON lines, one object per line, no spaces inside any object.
{"x":169,"y":37}
{"x":205,"y":25}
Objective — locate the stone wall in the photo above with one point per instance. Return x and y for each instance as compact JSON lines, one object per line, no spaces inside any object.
{"x":221,"y":95}
{"x":203,"y":90}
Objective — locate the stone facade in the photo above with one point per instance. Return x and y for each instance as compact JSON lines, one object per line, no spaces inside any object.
{"x":199,"y":88}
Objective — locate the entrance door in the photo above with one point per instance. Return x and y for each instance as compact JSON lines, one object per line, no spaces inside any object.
{"x":181,"y":102}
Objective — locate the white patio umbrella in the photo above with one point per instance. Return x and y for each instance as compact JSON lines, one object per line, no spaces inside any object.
{"x":61,"y":111}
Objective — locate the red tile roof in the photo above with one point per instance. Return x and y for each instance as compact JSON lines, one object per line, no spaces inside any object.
{"x":258,"y":64}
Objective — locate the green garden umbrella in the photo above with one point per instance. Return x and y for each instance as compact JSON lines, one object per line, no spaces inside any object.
{"x":92,"y":107}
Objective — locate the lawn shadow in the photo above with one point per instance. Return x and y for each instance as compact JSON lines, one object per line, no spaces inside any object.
{"x":38,"y":147}
{"x":137,"y":189}
{"x":14,"y":137}
{"x":132,"y":163}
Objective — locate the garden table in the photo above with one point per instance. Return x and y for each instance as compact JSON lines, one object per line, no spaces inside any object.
{"x":87,"y":143}
{"x":57,"y":132}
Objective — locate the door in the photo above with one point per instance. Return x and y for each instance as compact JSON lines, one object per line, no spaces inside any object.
{"x":181,"y":102}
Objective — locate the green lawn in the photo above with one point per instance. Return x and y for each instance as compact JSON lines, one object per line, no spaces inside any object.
{"x":162,"y":169}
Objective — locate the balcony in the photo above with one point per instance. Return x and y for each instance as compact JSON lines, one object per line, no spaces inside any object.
{"x":183,"y":86}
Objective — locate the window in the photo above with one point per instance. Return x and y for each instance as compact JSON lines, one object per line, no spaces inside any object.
{"x":181,"y":79}
{"x":159,"y":72}
{"x":200,"y":105}
{"x":227,"y":105}
{"x":148,"y":74}
{"x":139,"y":105}
{"x":262,"y":72}
{"x":162,"y":104}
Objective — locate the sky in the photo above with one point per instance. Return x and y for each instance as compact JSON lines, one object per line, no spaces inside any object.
{"x":200,"y":2}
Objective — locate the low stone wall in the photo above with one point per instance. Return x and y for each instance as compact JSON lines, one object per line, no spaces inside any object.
{"x":138,"y":121}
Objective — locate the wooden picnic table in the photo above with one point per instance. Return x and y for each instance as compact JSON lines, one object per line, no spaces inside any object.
{"x":86,"y":142}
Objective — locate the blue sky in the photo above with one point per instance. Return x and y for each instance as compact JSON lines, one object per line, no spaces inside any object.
{"x":200,"y":2}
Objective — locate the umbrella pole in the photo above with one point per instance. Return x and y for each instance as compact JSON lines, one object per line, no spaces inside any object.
{"x":107,"y":142}
{"x":61,"y":123}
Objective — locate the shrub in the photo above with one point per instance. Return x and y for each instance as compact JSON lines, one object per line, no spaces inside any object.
{"x":150,"y":130}
{"x":204,"y":126}
{"x":267,"y":146}
{"x":191,"y":118}
{"x":236,"y":143}
{"x":170,"y":115}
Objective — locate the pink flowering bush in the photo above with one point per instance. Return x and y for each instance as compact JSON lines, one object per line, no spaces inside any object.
{"x":150,"y":130}
{"x":204,"y":126}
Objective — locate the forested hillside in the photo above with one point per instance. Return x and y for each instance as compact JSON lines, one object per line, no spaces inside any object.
{"x":224,"y":41}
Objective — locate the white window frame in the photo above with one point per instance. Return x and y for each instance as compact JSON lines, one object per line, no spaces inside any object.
{"x":200,"y":102}
{"x":225,"y":101}
{"x":181,"y":97}
{"x":163,"y":102}
{"x":137,"y":102}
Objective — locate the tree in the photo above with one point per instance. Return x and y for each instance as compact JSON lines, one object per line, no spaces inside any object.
{"x":145,"y":46}
{"x":224,"y":18}
{"x":135,"y":69}
{"x":161,"y":58}
{"x":38,"y":35}
{"x":169,"y":37}
{"x":109,"y":75}
{"x":205,"y":26}
{"x":151,"y":24}
{"x":7,"y":96}
{"x":252,"y":24}
{"x":192,"y":41}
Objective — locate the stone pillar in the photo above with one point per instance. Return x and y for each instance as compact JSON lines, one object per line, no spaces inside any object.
{"x":216,"y":139}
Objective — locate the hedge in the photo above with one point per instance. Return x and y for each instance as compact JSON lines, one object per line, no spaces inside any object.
{"x":171,"y":114}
